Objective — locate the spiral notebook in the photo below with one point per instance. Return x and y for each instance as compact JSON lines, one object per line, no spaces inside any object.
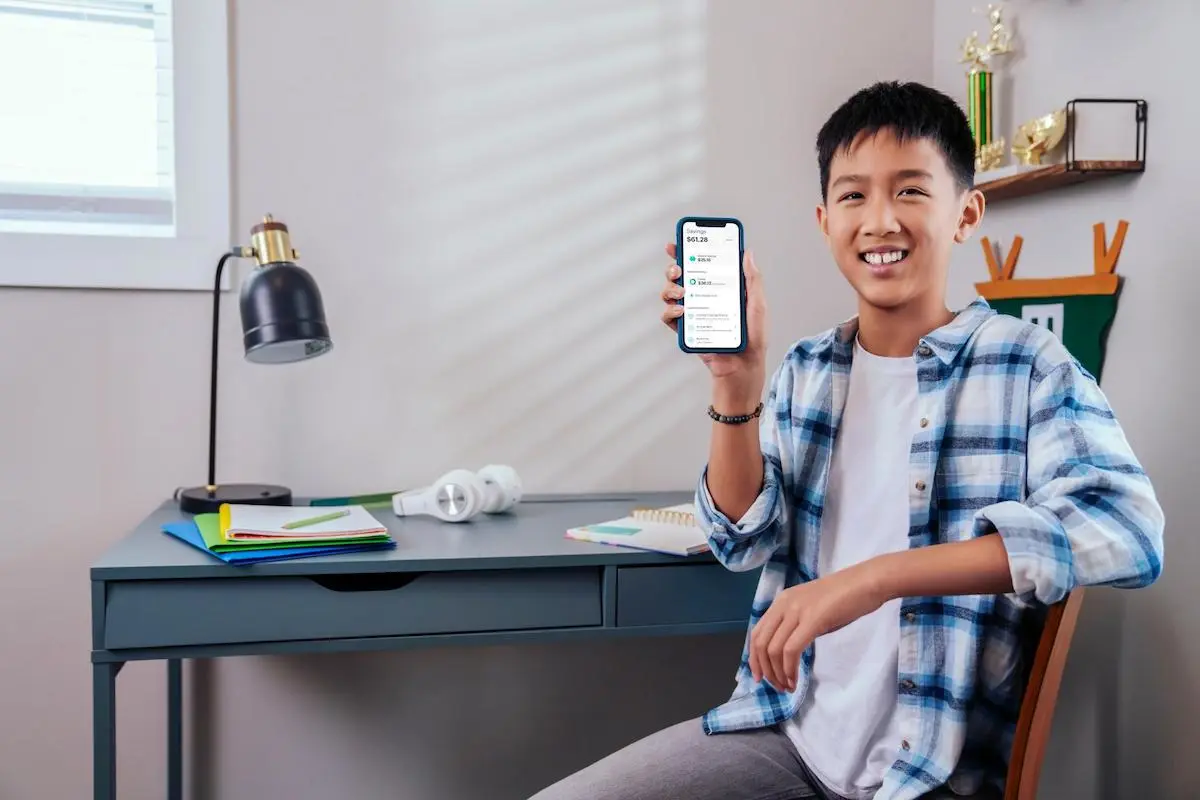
{"x":672,"y":530}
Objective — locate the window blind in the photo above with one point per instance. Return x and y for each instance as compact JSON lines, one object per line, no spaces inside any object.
{"x":86,"y":116}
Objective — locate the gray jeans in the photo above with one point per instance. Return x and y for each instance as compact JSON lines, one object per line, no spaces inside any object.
{"x":683,"y":762}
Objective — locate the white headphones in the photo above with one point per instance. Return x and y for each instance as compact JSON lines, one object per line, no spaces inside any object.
{"x":461,"y":494}
{"x":502,"y":488}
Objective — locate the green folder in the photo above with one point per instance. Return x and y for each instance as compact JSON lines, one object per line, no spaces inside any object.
{"x":368,"y":501}
{"x":210,"y":529}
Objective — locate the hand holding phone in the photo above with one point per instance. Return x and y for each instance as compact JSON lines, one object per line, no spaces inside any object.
{"x":709,"y":252}
{"x":728,"y":319}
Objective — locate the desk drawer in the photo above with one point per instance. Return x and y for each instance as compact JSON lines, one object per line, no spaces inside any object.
{"x":687,"y":593}
{"x":232,"y":610}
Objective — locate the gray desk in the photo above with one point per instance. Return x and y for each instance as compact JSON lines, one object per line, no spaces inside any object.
{"x":507,"y":578}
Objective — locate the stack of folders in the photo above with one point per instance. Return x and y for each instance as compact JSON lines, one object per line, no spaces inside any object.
{"x":248,"y":534}
{"x":672,"y":530}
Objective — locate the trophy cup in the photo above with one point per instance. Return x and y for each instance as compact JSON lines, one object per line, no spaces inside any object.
{"x":979,"y":57}
{"x":1038,"y":137}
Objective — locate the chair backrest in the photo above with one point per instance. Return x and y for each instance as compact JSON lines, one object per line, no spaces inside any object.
{"x":1041,"y":695}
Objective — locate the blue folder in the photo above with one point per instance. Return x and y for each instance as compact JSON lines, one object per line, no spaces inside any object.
{"x":187,"y":531}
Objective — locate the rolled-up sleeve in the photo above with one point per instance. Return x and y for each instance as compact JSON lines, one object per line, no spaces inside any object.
{"x":1091,"y":516}
{"x":747,"y":543}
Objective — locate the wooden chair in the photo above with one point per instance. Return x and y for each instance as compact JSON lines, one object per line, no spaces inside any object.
{"x":1041,"y":695}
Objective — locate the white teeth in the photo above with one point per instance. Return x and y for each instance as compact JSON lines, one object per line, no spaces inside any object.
{"x":890,"y":257}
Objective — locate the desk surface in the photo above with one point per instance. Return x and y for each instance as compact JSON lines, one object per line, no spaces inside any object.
{"x":476,"y":582}
{"x":532,"y":534}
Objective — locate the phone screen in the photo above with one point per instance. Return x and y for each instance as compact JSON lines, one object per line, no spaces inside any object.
{"x":712,"y":288}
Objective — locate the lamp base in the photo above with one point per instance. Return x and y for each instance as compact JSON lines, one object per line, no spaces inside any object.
{"x":199,"y":500}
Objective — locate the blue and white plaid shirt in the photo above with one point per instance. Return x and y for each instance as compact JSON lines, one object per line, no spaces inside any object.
{"x":1018,"y":439}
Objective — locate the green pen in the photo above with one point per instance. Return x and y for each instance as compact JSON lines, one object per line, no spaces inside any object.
{"x":300,"y":523}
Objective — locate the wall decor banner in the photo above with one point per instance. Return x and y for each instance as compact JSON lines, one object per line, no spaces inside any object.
{"x":1079,"y":309}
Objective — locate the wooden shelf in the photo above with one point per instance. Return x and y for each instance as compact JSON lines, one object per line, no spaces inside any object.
{"x":1053,"y":176}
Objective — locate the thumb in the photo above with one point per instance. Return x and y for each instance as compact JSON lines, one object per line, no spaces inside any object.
{"x":751,"y":269}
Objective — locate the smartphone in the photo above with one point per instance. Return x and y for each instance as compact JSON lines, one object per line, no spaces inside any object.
{"x":709,"y":251}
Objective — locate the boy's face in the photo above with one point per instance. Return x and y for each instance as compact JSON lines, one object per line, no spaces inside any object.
{"x":892,"y":214}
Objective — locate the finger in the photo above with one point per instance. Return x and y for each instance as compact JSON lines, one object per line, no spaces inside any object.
{"x":673,"y":272}
{"x":671,"y":315}
{"x":749,"y":267}
{"x":753,"y":276}
{"x":671,"y":292}
{"x":760,"y":638}
{"x":775,"y":653}
{"x":793,"y":648}
{"x":670,"y":248}
{"x":756,"y":646}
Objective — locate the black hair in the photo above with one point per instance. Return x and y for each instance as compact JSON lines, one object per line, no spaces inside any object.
{"x":911,"y":111}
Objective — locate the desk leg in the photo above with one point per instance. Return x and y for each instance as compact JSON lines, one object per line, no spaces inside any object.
{"x":174,"y":729}
{"x":104,"y":731}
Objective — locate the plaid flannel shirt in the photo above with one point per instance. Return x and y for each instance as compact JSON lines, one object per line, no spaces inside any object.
{"x":1016,"y":439}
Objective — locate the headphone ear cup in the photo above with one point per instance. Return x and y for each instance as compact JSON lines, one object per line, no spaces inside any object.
{"x":503,"y":487}
{"x":456,"y":496}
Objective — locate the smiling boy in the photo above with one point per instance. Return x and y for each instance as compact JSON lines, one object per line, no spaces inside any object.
{"x":919,"y":486}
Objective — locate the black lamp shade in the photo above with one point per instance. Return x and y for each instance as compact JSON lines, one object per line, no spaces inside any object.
{"x":283,"y":318}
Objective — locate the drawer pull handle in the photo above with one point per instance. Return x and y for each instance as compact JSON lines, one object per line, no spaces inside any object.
{"x":368,"y":582}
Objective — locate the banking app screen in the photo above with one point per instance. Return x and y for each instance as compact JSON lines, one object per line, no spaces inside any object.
{"x":711,"y":286}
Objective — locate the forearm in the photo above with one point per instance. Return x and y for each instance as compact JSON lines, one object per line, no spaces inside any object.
{"x":735,"y":461}
{"x":976,"y":566}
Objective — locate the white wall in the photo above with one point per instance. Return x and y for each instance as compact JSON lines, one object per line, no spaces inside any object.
{"x":483,"y":191}
{"x":1129,"y":716}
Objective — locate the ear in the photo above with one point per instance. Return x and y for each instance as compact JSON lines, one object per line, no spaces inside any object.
{"x":823,"y":221}
{"x":971,"y":215}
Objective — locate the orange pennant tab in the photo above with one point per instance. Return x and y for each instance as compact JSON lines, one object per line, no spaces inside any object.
{"x":1010,"y":263}
{"x":990,"y":255}
{"x":1104,"y":255}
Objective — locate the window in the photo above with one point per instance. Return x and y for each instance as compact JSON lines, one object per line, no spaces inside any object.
{"x":114,"y":155}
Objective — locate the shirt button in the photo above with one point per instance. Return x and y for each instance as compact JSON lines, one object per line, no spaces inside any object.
{"x":906,"y":745}
{"x":910,"y":616}
{"x":924,"y":350}
{"x":907,"y":685}
{"x":924,"y":422}
{"x":920,"y":486}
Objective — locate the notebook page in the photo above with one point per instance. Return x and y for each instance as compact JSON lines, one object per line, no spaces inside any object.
{"x":269,"y":521}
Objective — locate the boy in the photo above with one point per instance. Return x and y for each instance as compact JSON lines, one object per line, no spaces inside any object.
{"x":919,"y":486}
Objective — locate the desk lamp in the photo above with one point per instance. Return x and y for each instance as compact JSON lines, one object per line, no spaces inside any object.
{"x":283,"y":320}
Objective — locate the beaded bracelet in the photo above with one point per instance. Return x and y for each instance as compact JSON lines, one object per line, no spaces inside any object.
{"x":738,"y":420}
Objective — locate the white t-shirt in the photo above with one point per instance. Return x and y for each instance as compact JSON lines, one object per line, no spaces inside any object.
{"x":846,"y":729}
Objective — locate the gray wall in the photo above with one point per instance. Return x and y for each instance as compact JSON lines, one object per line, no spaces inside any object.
{"x":1129,"y":717}
{"x":522,"y":163}
{"x":483,"y":190}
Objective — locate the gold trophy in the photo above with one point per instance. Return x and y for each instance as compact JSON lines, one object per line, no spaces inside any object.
{"x":1036,"y":138}
{"x":979,"y":56}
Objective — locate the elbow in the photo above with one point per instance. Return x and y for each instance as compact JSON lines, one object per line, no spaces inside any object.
{"x":1047,"y":560}
{"x":743,"y":552}
{"x":1145,"y":547}
{"x":1121,"y":545}
{"x":1139,"y":552}
{"x":1147,"y":557}
{"x":1152,"y":573}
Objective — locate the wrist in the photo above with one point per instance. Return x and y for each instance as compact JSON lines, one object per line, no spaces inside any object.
{"x":740,"y":395}
{"x":878,"y":577}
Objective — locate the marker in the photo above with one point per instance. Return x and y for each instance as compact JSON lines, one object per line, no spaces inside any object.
{"x":300,"y":523}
